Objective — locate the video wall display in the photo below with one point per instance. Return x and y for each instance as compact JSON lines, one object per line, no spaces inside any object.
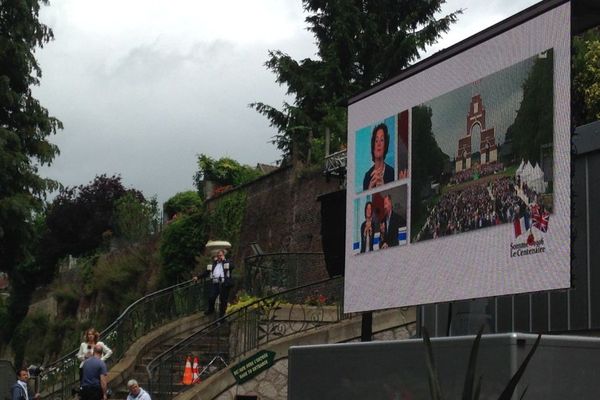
{"x":461,"y":175}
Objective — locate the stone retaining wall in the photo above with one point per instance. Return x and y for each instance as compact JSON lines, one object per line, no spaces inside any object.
{"x":283,"y":215}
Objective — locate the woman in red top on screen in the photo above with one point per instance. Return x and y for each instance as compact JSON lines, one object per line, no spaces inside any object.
{"x":380,"y":172}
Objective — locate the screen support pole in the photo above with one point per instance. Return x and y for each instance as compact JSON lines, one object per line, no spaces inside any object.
{"x":449,"y":319}
{"x":366,"y":329}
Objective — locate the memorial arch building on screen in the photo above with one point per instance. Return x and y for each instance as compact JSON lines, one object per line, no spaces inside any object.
{"x":488,"y":149}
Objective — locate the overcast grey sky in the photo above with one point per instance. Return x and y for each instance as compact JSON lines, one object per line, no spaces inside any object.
{"x":143,"y":86}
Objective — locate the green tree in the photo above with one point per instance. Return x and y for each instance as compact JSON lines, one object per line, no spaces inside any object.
{"x":188,"y":202}
{"x":182,"y":240}
{"x":224,"y":171}
{"x":25,"y":126}
{"x":81,"y":218}
{"x":135,"y":220}
{"x":533,"y":126}
{"x":428,"y":162}
{"x":360,"y":43}
{"x":586,"y":77}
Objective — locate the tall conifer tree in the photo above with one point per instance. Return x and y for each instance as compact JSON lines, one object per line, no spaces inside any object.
{"x":359,"y":44}
{"x":24,"y":129}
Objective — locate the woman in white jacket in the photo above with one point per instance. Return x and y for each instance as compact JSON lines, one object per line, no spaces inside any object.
{"x":87,"y":347}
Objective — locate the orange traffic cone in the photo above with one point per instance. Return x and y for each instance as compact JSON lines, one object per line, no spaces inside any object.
{"x":187,"y":373}
{"x":195,"y":371}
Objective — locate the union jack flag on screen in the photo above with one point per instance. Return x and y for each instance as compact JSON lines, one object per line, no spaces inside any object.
{"x":540,"y":218}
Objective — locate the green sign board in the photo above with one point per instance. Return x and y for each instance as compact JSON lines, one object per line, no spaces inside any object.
{"x":253,"y":366}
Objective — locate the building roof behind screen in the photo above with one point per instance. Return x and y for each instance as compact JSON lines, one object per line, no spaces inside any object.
{"x":587,"y":138}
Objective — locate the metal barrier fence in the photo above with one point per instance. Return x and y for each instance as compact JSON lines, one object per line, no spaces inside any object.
{"x":249,"y":328}
{"x":142,"y":316}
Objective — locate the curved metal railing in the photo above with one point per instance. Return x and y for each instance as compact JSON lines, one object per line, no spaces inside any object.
{"x":249,"y":328}
{"x":142,"y":316}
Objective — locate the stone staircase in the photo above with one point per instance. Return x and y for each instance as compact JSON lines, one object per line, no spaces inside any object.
{"x":213,"y":349}
{"x":133,"y":364}
{"x":139,"y":372}
{"x":212,"y":353}
{"x":393,"y":324}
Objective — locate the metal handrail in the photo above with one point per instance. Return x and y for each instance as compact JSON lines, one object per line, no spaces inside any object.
{"x":253,"y":326}
{"x":140,"y":317}
{"x":335,"y":164}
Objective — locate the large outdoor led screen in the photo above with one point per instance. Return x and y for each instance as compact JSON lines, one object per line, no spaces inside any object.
{"x":459,"y":173}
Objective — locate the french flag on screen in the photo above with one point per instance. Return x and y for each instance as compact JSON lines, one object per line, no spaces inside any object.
{"x":522,"y":225}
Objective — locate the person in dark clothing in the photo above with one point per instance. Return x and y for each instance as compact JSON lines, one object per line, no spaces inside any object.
{"x":393,"y":222}
{"x":380,"y":173}
{"x":20,"y":391}
{"x":367,"y":229}
{"x":93,"y":382}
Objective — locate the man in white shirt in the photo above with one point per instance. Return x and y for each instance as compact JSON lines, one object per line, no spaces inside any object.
{"x":136,"y":392}
{"x":220,"y":282}
{"x":19,"y":390}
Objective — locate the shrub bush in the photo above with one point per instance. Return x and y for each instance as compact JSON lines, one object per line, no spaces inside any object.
{"x":182,"y":241}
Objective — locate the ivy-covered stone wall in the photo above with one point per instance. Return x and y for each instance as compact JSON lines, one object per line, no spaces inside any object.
{"x":281,"y":214}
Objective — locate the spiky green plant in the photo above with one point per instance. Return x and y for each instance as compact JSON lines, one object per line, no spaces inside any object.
{"x":472,"y":386}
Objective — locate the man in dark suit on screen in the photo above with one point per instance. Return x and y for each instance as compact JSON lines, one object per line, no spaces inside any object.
{"x":393,"y":222}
